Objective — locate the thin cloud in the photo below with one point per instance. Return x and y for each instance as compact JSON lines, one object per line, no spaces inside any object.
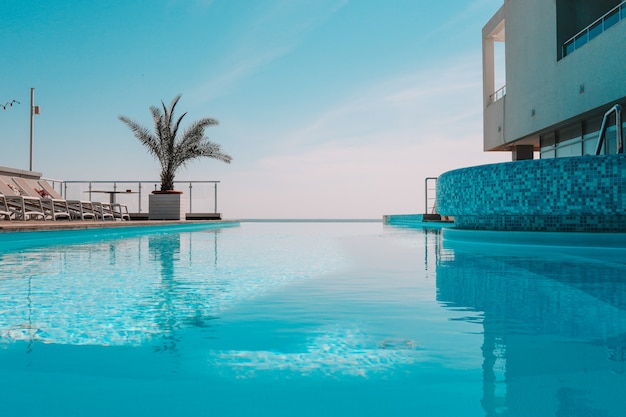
{"x":275,"y":32}
{"x":402,"y":107}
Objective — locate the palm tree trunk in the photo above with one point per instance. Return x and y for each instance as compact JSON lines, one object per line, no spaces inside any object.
{"x":167,"y":181}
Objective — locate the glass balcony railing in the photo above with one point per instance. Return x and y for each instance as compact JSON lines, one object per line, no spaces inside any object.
{"x":610,"y":19}
{"x":200,"y":196}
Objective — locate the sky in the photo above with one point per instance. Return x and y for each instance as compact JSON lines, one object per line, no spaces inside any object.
{"x":329,"y":108}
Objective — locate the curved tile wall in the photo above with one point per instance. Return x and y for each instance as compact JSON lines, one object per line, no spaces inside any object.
{"x":586,"y":193}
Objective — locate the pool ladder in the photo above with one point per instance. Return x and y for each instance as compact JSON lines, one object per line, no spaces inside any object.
{"x":617,"y":109}
{"x":430,"y":199}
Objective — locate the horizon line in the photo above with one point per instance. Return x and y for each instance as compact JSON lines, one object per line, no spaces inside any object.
{"x":310,"y":220}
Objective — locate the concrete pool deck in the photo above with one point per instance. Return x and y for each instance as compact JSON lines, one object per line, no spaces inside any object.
{"x":39,"y":225}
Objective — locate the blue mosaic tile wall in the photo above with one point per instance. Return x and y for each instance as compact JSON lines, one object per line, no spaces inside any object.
{"x":586,"y":193}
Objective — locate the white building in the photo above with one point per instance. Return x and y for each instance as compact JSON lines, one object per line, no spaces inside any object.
{"x":565,"y":67}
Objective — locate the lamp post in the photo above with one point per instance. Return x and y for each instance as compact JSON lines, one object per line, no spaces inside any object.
{"x":33,"y":111}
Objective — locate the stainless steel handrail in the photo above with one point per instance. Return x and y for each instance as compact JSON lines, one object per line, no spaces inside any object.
{"x":497,"y":95}
{"x":141,"y":185}
{"x":617,"y":109}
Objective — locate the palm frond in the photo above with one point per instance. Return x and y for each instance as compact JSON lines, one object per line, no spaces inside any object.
{"x":195,"y":132}
{"x":169,"y":113}
{"x":214,"y":151}
{"x":177,"y":125}
{"x":144,"y":135}
{"x":190,"y":145}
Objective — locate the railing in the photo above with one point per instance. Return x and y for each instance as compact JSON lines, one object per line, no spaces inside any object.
{"x":430,"y":196}
{"x":609,"y":19}
{"x":617,"y":109}
{"x":205,"y":198}
{"x":499,"y":93}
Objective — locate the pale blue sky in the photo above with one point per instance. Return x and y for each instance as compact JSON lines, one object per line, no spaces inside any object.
{"x":330,"y":108}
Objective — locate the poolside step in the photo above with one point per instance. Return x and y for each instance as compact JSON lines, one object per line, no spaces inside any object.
{"x":203,"y":216}
{"x":414,"y":219}
{"x":188,"y":216}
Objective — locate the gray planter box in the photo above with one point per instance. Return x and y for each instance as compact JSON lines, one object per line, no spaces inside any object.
{"x":166,"y":206}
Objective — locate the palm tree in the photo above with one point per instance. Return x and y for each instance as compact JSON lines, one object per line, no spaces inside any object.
{"x":174,"y":152}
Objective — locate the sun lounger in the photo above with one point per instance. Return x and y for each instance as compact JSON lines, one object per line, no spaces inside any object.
{"x":120,"y":211}
{"x":54,"y":208}
{"x":80,"y":209}
{"x":4,"y":208}
{"x":104,"y":211}
{"x":21,"y":206}
{"x":101,"y":211}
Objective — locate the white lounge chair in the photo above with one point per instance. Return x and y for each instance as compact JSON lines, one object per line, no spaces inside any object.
{"x":4,"y":208}
{"x":103,"y":210}
{"x":54,"y":208}
{"x":120,"y":211}
{"x":21,"y":206}
{"x":80,"y":209}
{"x":113,"y":211}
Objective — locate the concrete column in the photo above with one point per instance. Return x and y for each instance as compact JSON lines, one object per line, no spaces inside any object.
{"x":523,"y":152}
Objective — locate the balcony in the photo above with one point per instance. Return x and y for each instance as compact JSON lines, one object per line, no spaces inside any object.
{"x":610,"y":19}
{"x":497,"y":95}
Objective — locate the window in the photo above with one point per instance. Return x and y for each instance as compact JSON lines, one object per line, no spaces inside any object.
{"x":546,"y":143}
{"x":591,"y":130}
{"x":569,"y":141}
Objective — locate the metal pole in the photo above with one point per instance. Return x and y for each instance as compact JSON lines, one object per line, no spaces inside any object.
{"x":215,"y":201}
{"x":426,"y":192}
{"x":618,"y":128}
{"x":139,"y":196}
{"x":426,"y":195}
{"x":32,"y":125}
{"x":190,"y":198}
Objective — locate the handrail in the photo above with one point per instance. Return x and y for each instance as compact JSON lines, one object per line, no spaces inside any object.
{"x":617,"y":109}
{"x":497,"y":95}
{"x":141,"y":185}
{"x":597,"y":27}
{"x":426,"y":198}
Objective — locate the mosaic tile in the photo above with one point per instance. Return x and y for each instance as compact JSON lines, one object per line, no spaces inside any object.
{"x":586,"y":193}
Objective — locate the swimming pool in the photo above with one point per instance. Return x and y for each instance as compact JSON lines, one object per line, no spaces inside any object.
{"x":310,"y":319}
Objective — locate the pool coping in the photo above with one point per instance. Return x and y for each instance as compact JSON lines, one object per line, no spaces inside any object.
{"x":541,"y":239}
{"x":49,"y":225}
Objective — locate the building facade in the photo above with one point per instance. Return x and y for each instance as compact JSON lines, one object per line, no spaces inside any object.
{"x":565,"y":69}
{"x":562,"y":96}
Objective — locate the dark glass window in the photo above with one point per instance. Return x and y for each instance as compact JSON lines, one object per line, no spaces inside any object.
{"x":549,"y":139}
{"x":570,"y":132}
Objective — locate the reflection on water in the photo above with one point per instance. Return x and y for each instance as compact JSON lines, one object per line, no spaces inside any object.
{"x":142,"y":288}
{"x":335,"y":352}
{"x":118,"y":292}
{"x":554,"y":325}
{"x":396,"y":321}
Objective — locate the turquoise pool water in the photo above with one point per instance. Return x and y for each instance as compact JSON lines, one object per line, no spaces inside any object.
{"x":309,"y":319}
